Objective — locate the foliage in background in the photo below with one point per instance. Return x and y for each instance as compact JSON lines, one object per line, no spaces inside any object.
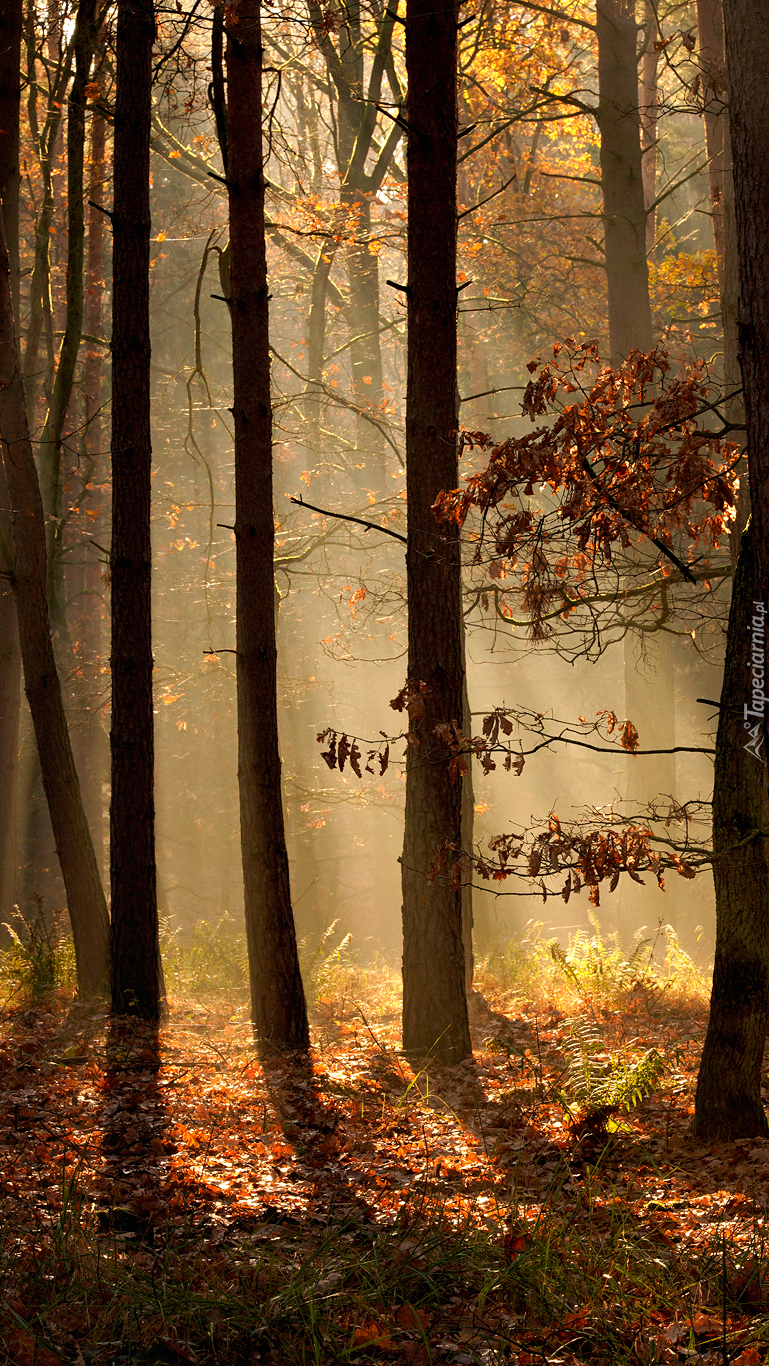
{"x":40,"y":956}
{"x":208,"y":960}
{"x":594,"y":971}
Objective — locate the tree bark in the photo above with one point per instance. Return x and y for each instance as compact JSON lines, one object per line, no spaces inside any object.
{"x":746,"y":27}
{"x":721,"y":181}
{"x":650,"y":109}
{"x":10,"y":650}
{"x":85,"y":897}
{"x":40,"y":328}
{"x":85,"y":37}
{"x":728,"y":1100}
{"x":728,"y":1093}
{"x":434,"y":999}
{"x":136,"y":982}
{"x":278,"y":1009}
{"x":624,"y":210}
{"x":356,"y":125}
{"x":91,"y":752}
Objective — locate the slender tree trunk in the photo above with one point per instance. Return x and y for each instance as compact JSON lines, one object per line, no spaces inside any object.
{"x":10,"y":651}
{"x":650,"y":108}
{"x":51,"y":441}
{"x":39,"y":376}
{"x":434,"y":1000}
{"x":87,"y":628}
{"x":278,"y":1008}
{"x":316,"y":340}
{"x":728,"y":1099}
{"x":627,"y":185}
{"x":710,"y":27}
{"x":721,"y":181}
{"x":85,"y":897}
{"x":136,"y":982}
{"x":650,"y":704}
{"x":627,"y":274}
{"x":363,"y":278}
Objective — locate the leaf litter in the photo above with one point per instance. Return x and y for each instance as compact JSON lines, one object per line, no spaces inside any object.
{"x":167,"y":1197}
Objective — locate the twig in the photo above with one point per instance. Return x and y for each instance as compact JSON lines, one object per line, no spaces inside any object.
{"x":344,"y":517}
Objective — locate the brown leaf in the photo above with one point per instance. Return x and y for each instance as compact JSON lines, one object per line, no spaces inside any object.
{"x":410,"y":1317}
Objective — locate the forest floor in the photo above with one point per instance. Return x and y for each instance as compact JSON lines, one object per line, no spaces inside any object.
{"x":167,"y":1198}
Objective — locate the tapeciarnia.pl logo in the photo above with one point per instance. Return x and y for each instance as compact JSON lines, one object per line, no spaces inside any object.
{"x":754,"y":709}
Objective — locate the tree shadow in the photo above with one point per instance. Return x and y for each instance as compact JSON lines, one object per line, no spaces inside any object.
{"x":134,"y":1140}
{"x":321,"y":1135}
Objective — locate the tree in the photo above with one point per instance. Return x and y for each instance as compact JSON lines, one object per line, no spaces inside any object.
{"x":278,"y":1009}
{"x":619,"y":121}
{"x":136,"y":978}
{"x":728,"y":1098}
{"x":10,"y":653}
{"x":84,"y":42}
{"x":434,"y":1000}
{"x":728,"y":1101}
{"x":85,"y":897}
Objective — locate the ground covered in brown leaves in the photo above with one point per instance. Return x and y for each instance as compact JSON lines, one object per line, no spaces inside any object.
{"x":167,"y":1198}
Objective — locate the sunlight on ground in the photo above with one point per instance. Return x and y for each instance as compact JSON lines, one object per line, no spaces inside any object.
{"x":169,"y":1197}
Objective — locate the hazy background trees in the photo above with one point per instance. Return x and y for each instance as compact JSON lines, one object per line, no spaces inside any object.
{"x":532,"y":265}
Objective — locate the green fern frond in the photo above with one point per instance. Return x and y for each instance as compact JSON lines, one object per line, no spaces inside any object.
{"x":604,"y":1081}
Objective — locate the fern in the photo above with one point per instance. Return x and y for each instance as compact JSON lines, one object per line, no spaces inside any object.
{"x":597,"y":967}
{"x":603,"y":1084}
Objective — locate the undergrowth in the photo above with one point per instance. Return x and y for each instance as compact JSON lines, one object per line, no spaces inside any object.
{"x":593,"y":972}
{"x":38,"y":957}
{"x":171,"y":1200}
{"x":352,"y":1291}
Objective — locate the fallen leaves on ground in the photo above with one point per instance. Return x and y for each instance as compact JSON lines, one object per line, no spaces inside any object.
{"x":167,"y":1197}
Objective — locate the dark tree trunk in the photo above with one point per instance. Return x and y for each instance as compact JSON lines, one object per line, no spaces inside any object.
{"x":434,"y":1000}
{"x":10,"y":652}
{"x":746,"y":28}
{"x":278,"y":1008}
{"x":136,"y":983}
{"x":624,"y":210}
{"x":729,"y":1086}
{"x":728,"y":1100}
{"x":85,"y":897}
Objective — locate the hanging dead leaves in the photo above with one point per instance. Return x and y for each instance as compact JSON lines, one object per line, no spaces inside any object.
{"x":627,"y":461}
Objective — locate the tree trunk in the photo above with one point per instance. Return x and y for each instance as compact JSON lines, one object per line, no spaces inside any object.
{"x":10,"y":652}
{"x":729,"y":1087}
{"x":85,"y":37}
{"x":136,"y":982}
{"x":721,"y":181}
{"x":40,"y":328}
{"x":746,"y":26}
{"x":278,"y":1009}
{"x":650,"y":703}
{"x":91,"y":752}
{"x":728,"y":1100}
{"x":650,"y":109}
{"x":85,"y":897}
{"x":434,"y":999}
{"x":624,"y":210}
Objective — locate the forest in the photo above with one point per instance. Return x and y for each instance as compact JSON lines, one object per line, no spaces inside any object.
{"x":384,"y":569}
